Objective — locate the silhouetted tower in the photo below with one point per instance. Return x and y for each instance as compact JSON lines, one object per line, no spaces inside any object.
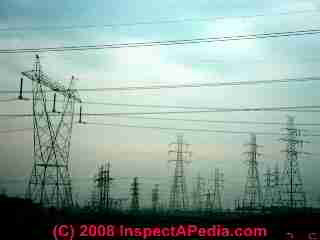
{"x":178,"y":194}
{"x":276,"y":189}
{"x":208,"y":200}
{"x":237,"y":203}
{"x":208,"y":205}
{"x":292,"y":195}
{"x":252,"y":194}
{"x":103,"y":183}
{"x":217,"y":190}
{"x":267,"y":196}
{"x":50,"y":181}
{"x":93,"y":202}
{"x":135,"y":195}
{"x":155,"y":198}
{"x":198,"y":193}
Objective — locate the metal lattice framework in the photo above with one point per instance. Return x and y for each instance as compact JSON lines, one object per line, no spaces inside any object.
{"x":155,"y":198}
{"x":276,"y":189}
{"x":198,"y":193}
{"x":178,"y":194}
{"x":218,"y":188}
{"x":135,"y":195}
{"x":292,"y":193}
{"x":50,"y":181}
{"x":252,"y":194}
{"x":267,"y":196}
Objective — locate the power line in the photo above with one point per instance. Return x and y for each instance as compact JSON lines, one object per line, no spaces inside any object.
{"x":217,"y":121}
{"x":191,"y":130}
{"x":174,"y":112}
{"x":219,"y":84}
{"x":197,"y":120}
{"x":15,"y":130}
{"x":251,"y":61}
{"x":9,"y":100}
{"x":163,"y":43}
{"x":191,"y":85}
{"x":172,"y":21}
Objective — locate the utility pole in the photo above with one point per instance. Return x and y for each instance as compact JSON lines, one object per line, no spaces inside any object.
{"x":178,"y":195}
{"x":135,"y":195}
{"x":218,"y":187}
{"x":252,"y":194}
{"x":50,"y":181}
{"x":267,"y":196}
{"x":293,"y":195}
{"x":155,"y":198}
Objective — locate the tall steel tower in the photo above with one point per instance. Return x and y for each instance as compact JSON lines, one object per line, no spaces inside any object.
{"x":155,"y":198}
{"x":178,"y":195}
{"x":267,"y":196}
{"x":103,"y":186}
{"x":217,"y":190}
{"x":276,"y":189}
{"x":293,"y":195}
{"x":198,"y":193}
{"x":135,"y":195}
{"x":50,"y":181}
{"x":252,"y":194}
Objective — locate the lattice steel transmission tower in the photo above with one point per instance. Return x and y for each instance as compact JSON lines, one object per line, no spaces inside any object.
{"x":208,"y":200}
{"x":103,"y":187}
{"x":50,"y":181}
{"x":135,"y":195}
{"x":178,"y":195}
{"x":252,"y":193}
{"x":217,"y":190}
{"x":267,"y":196}
{"x":198,"y":192}
{"x":208,"y":195}
{"x":292,"y":195}
{"x":155,"y":198}
{"x":276,"y":189}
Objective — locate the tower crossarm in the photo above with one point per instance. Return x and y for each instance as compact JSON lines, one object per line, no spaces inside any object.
{"x":54,"y":86}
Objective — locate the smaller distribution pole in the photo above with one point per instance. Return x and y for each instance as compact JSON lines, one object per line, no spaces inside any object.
{"x":21,"y":86}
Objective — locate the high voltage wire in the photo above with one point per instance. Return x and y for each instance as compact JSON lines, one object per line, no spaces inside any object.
{"x":219,"y":84}
{"x":191,"y":85}
{"x":173,"y":112}
{"x":190,"y":120}
{"x":192,"y":130}
{"x":15,"y":130}
{"x":9,"y":100}
{"x":70,"y":27}
{"x":217,"y":121}
{"x":250,"y":61}
{"x":163,"y":43}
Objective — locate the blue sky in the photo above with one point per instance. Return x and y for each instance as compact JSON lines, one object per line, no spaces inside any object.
{"x":143,"y":152}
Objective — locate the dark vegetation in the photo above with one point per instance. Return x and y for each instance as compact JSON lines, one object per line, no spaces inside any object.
{"x":26,"y":220}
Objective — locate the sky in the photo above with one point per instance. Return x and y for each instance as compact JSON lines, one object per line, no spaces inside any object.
{"x":144,"y":152}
